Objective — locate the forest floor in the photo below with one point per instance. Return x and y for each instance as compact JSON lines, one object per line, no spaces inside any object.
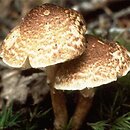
{"x":24,"y":94}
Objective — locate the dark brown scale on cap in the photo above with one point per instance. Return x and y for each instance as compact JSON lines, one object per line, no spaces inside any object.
{"x":101,"y":63}
{"x":48,"y":35}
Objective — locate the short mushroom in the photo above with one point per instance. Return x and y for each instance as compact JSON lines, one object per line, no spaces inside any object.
{"x":47,"y":36}
{"x":101,"y":63}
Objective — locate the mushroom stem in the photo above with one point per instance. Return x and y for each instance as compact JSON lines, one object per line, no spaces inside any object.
{"x":58,"y":100}
{"x":83,"y":106}
{"x":59,"y":108}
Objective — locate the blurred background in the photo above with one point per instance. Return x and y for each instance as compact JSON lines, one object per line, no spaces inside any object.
{"x":25,"y":102}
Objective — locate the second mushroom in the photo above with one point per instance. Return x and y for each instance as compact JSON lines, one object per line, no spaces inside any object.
{"x":101,"y":63}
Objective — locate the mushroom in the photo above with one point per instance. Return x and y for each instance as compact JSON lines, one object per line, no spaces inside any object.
{"x":47,"y":36}
{"x":101,"y":63}
{"x":54,"y":37}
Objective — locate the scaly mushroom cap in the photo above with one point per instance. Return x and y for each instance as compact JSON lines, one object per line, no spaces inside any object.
{"x":101,"y":63}
{"x":48,"y":35}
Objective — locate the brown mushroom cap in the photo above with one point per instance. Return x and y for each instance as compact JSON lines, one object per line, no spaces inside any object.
{"x":48,"y":35}
{"x":101,"y":63}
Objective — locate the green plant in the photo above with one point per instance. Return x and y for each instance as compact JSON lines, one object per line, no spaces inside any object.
{"x":122,"y":123}
{"x":35,"y":115}
{"x":100,"y":125}
{"x":8,"y":118}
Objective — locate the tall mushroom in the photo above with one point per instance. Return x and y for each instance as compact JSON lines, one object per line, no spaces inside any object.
{"x":47,"y":36}
{"x":101,"y":63}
